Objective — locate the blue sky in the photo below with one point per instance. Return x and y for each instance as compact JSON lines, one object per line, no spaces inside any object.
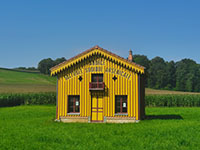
{"x":38,"y":29}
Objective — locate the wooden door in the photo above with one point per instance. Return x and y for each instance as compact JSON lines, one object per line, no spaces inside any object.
{"x":97,"y":109}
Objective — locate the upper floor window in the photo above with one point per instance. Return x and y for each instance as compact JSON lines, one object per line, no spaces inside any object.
{"x":97,"y":77}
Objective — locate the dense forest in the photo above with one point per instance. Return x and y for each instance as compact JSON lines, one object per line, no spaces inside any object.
{"x":183,"y":75}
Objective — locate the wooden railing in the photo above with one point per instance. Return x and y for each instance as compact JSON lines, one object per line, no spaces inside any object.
{"x":99,"y":86}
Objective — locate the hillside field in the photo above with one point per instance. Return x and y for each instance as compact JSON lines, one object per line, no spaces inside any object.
{"x":12,"y":81}
{"x":33,"y":127}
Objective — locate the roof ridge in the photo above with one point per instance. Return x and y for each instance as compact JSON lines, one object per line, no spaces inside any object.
{"x":91,"y":49}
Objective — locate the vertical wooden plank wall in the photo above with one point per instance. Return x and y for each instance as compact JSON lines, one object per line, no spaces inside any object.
{"x":121,"y":86}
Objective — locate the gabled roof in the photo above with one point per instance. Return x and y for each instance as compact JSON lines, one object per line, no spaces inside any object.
{"x":94,"y":51}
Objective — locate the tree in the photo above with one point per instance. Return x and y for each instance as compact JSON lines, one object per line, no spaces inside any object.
{"x":171,"y":75}
{"x":143,"y":61}
{"x":157,"y":73}
{"x":44,"y":65}
{"x":187,"y":75}
{"x":59,"y":60}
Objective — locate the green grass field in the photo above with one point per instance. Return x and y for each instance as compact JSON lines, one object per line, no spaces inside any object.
{"x":32,"y":127}
{"x":12,"y":81}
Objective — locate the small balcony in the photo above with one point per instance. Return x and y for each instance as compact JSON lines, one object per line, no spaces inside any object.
{"x":96,"y":86}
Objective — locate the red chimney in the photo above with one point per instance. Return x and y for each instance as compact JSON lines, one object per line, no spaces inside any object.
{"x":130,"y":57}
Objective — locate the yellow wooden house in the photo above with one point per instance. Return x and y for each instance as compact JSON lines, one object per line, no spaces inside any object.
{"x":99,"y":86}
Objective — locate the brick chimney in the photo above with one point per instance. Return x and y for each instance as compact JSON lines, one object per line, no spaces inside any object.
{"x":130,"y":57}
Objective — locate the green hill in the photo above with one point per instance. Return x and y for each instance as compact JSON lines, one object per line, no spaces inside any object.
{"x":15,"y":81}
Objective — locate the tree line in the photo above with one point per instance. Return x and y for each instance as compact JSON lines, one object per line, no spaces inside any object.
{"x":44,"y":65}
{"x":183,"y":75}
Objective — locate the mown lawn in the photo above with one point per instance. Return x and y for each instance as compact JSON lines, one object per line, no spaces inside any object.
{"x":32,"y":127}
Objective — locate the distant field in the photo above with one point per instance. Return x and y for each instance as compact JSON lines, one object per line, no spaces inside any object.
{"x":12,"y":81}
{"x":33,"y":127}
{"x":149,"y":91}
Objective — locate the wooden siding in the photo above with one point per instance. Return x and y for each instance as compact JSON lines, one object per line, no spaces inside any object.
{"x":69,"y":84}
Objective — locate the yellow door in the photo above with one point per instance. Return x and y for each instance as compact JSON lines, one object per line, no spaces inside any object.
{"x":97,"y":109}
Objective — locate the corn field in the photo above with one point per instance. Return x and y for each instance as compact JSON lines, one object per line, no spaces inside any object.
{"x":172,"y":100}
{"x":27,"y":99}
{"x":50,"y":98}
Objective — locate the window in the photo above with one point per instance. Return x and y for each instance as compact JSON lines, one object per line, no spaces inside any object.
{"x":73,"y":104}
{"x":97,"y":77}
{"x":97,"y":82}
{"x":120,"y":104}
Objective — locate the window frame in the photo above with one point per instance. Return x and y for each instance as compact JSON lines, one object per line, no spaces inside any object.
{"x":123,"y":98}
{"x":93,"y":74}
{"x":74,"y":99}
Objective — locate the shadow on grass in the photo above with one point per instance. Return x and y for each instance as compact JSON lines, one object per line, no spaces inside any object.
{"x":163,"y":117}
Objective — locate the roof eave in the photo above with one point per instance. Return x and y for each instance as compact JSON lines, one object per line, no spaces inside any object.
{"x":61,"y":65}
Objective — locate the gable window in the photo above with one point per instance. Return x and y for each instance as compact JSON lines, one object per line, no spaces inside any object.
{"x":120,"y":104}
{"x":97,"y":82}
{"x":73,"y":104}
{"x":97,"y":77}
